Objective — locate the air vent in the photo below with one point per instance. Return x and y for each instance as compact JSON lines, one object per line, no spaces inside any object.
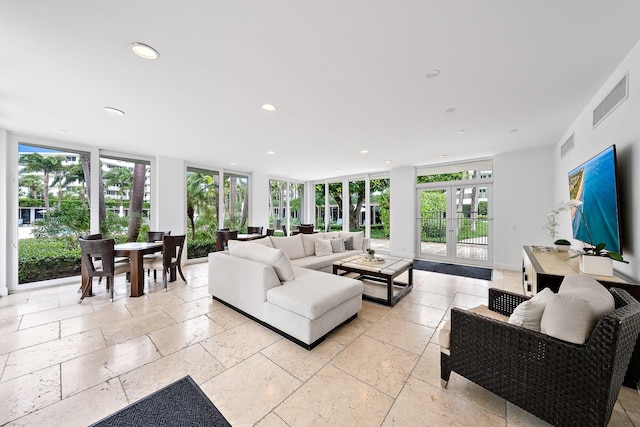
{"x":611,"y":101}
{"x":568,"y":146}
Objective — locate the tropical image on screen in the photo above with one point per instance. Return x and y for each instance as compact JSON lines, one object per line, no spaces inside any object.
{"x":594,"y":183}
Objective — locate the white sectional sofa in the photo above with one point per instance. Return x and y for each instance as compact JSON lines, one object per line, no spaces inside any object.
{"x":300,"y":303}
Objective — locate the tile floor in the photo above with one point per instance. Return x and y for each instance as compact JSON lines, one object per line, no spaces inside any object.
{"x":67,"y":364}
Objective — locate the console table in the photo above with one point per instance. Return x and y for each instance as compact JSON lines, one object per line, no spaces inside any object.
{"x":544,"y":267}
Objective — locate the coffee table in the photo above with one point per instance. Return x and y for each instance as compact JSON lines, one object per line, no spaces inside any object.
{"x":384,"y":269}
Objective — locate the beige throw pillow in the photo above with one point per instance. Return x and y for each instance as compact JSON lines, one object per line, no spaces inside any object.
{"x":323,"y":247}
{"x":528,"y":315}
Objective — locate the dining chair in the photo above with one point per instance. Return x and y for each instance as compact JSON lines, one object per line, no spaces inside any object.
{"x":172,"y":247}
{"x":101,"y":249}
{"x":306,"y":228}
{"x":154,"y":236}
{"x":254,"y":229}
{"x":284,"y":230}
{"x":270,"y":231}
{"x":223,"y":236}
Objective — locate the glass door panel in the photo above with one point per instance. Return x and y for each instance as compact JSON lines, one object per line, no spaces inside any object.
{"x":472,"y":224}
{"x":433,"y":223}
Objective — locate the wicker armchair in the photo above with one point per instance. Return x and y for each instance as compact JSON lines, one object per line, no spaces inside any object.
{"x":560,"y":382}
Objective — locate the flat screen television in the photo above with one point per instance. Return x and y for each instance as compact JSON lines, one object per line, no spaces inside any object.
{"x":595,"y":183}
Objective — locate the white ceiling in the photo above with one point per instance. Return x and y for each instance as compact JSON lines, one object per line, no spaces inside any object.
{"x":345,"y":75}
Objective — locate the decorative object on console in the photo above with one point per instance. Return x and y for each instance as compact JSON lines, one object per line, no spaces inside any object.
{"x":562,"y":245}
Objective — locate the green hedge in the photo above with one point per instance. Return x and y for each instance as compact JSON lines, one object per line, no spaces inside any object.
{"x":200,"y":248}
{"x":44,"y":259}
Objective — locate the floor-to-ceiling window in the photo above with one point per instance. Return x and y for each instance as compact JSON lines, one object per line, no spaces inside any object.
{"x":125,"y":206}
{"x":357,"y":205}
{"x":286,"y":205}
{"x":203,"y":206}
{"x":296,"y":204}
{"x":320,"y":208}
{"x":379,"y":212}
{"x":277,"y":204}
{"x":236,"y":201}
{"x":335,"y":206}
{"x":53,"y":210}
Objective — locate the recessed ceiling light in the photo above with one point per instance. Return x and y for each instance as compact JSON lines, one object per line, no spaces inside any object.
{"x":144,"y":51}
{"x":114,"y":111}
{"x":269,"y":108}
{"x":271,"y":153}
{"x":233,"y":163}
{"x":61,"y":131}
{"x":513,"y":131}
{"x":461,"y":131}
{"x":364,"y":151}
{"x":450,"y":110}
{"x":441,"y":156}
{"x":433,"y":73}
{"x":387,"y":161}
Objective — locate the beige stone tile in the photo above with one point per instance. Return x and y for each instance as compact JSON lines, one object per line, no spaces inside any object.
{"x":9,"y":325}
{"x":81,"y":409}
{"x":469,"y":301}
{"x":467,"y":390}
{"x":272,"y":420}
{"x":192,"y":309}
{"x":36,"y":357}
{"x":192,"y":293}
{"x":333,"y":397}
{"x":428,"y":367}
{"x":54,"y":315}
{"x":29,"y":393}
{"x":629,"y":399}
{"x":92,"y":369}
{"x":400,"y":333}
{"x":193,"y":360}
{"x":227,"y":318}
{"x":28,"y":337}
{"x":345,"y":334}
{"x":441,"y":284}
{"x":104,"y":316}
{"x":519,"y":417}
{"x":417,"y":313}
{"x":429,"y":299}
{"x":619,"y":417}
{"x":247,"y":392}
{"x":376,"y":363}
{"x":124,"y":330}
{"x":235,"y":345}
{"x":299,"y":362}
{"x":148,"y":304}
{"x":3,"y":362}
{"x":18,"y":298}
{"x":372,"y":311}
{"x":181,"y":335}
{"x":437,"y":407}
{"x":475,"y":287}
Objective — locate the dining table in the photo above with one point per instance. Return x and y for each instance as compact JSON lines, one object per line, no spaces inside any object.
{"x":135,"y":251}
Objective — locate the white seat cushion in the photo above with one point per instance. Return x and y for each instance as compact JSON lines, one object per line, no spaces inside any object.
{"x":444,"y":338}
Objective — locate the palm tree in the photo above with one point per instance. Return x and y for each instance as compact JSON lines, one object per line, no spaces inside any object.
{"x":199,"y":188}
{"x":75,"y":173}
{"x":35,"y":162}
{"x":122,"y":178}
{"x":33,"y":183}
{"x":136,"y":200}
{"x":61,"y":180}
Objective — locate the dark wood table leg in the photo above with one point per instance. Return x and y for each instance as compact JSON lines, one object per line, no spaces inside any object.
{"x":137,"y":274}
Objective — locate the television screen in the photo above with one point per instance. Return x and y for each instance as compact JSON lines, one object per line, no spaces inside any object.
{"x":595,"y":184}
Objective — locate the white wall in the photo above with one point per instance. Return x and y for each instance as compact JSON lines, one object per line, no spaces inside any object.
{"x":522,"y":196}
{"x":622,"y":128}
{"x":403,"y":212}
{"x":170,"y":195}
{"x":259,"y":201}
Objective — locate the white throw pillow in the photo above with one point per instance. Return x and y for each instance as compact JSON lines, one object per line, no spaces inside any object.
{"x":266,"y":241}
{"x":323,"y":247}
{"x":568,"y":318}
{"x":337,"y":245}
{"x":528,"y":315}
{"x":589,"y":289}
{"x":292,"y":245}
{"x":309,"y":243}
{"x":276,"y":258}
{"x":543,"y":296}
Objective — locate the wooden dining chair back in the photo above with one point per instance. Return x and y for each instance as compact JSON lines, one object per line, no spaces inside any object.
{"x":223,"y":236}
{"x":154,"y":236}
{"x":306,"y":228}
{"x":284,"y":230}
{"x":172,"y":247}
{"x":254,"y":229}
{"x":102,"y":249}
{"x":270,"y":231}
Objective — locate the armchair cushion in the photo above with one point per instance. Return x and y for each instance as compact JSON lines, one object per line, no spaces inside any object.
{"x":444,"y":338}
{"x":528,"y":315}
{"x":569,"y":318}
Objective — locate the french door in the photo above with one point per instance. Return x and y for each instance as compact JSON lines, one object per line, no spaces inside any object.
{"x":454,"y":224}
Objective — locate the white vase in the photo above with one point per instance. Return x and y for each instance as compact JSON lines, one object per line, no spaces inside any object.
{"x":596,"y":265}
